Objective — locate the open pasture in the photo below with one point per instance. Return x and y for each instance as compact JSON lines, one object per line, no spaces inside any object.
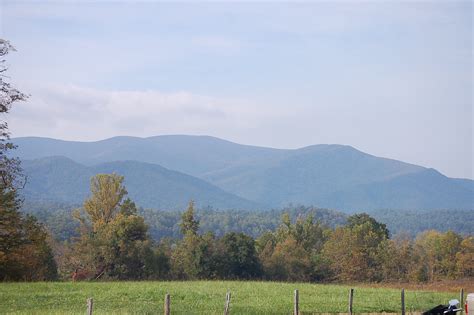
{"x":206,"y":297}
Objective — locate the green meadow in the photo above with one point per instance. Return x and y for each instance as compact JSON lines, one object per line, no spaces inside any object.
{"x":205,"y":297}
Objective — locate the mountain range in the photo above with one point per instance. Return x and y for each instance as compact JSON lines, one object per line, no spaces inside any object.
{"x":60,"y":179}
{"x":167,"y":171}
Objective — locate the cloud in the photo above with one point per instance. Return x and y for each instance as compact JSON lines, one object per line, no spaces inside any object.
{"x":393,"y":79}
{"x":81,"y":113}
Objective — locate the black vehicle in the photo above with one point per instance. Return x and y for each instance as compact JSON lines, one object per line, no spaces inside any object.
{"x":450,"y":309}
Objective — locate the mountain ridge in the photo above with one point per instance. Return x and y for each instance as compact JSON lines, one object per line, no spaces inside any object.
{"x":324,"y":175}
{"x":61,"y":179}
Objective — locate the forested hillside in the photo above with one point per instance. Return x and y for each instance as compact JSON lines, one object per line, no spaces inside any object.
{"x":416,"y":221}
{"x":59,"y":179}
{"x":329,"y":176}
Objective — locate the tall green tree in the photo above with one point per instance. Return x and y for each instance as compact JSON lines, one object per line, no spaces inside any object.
{"x":189,"y":224}
{"x":238,"y":257}
{"x":194,"y":256}
{"x":114,"y":241}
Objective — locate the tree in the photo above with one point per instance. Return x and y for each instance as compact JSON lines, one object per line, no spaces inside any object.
{"x":364,"y":218}
{"x":238,"y":257}
{"x":293,"y":252}
{"x":114,"y":239}
{"x":10,"y":218}
{"x":450,"y":246}
{"x":24,"y":251}
{"x":288,"y":262}
{"x":188,"y":223}
{"x":194,"y":257}
{"x":428,"y":247}
{"x":186,"y":259}
{"x":33,"y":260}
{"x":354,"y":250}
{"x":465,"y":257}
{"x":10,"y":170}
{"x":107,"y":193}
{"x":439,"y":253}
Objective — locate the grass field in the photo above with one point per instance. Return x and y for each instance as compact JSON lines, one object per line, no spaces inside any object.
{"x":205,"y":297}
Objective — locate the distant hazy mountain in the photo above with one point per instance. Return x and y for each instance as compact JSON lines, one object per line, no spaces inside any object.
{"x":60,"y":179}
{"x":331,"y":176}
{"x":194,"y":155}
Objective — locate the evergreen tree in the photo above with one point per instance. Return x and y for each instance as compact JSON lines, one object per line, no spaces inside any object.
{"x":238,"y":257}
{"x":188,"y":223}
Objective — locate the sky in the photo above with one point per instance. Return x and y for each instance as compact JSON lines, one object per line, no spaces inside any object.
{"x":391,"y":78}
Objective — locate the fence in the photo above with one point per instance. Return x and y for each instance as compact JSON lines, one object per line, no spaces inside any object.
{"x":167,"y":303}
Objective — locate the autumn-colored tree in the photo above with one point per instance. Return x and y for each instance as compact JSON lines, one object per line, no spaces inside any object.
{"x":439,"y":254}
{"x":107,"y":192}
{"x":114,"y":242}
{"x":428,"y":247}
{"x":450,"y":246}
{"x":33,"y":260}
{"x":353,"y":250}
{"x":398,"y":260}
{"x":293,"y":251}
{"x":288,"y":262}
{"x":465,"y":258}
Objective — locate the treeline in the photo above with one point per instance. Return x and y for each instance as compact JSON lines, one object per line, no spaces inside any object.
{"x":25,"y":251}
{"x":113,"y":242}
{"x":165,"y":223}
{"x":413,"y":222}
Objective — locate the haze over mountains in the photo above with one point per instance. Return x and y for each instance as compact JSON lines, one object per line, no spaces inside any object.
{"x":167,"y":171}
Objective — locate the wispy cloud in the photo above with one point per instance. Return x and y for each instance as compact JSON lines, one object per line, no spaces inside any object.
{"x":74,"y":112}
{"x":391,"y":78}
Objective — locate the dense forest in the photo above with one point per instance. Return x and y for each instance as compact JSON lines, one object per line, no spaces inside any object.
{"x":113,"y":241}
{"x":165,"y":223}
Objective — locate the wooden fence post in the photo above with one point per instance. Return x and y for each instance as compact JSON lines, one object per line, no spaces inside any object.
{"x":167,"y":304}
{"x":403,"y":301}
{"x":296,"y":302}
{"x":227,"y":303}
{"x":351,"y":300}
{"x":461,"y":300}
{"x":90,"y":304}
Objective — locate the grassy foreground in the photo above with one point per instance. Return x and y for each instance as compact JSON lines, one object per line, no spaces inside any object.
{"x":204,"y":297}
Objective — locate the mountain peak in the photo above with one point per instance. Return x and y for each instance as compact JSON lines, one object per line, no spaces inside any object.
{"x":324,"y":175}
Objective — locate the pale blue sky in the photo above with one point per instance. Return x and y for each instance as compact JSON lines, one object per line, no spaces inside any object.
{"x":390,"y":78}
